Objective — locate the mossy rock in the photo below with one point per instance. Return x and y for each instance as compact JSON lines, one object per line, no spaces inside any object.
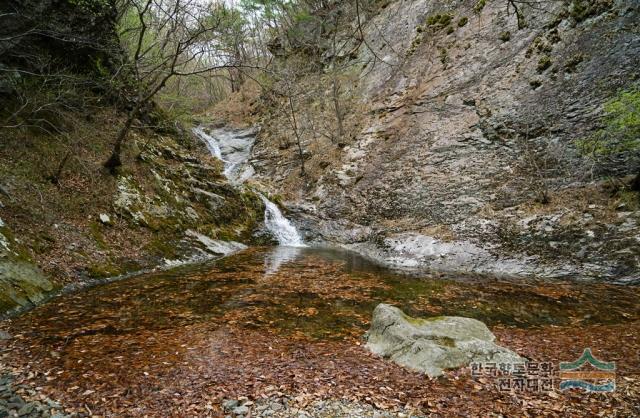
{"x":21,"y":284}
{"x":104,"y":270}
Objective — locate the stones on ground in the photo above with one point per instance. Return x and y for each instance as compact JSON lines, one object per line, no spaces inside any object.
{"x":287,"y":407}
{"x":276,"y":406}
{"x":105,"y":219}
{"x":14,"y":405}
{"x":229,"y":404}
{"x":241,"y":410}
{"x":432,"y":345}
{"x":4,"y":335}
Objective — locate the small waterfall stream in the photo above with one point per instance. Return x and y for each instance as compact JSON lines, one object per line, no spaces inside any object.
{"x":210,"y":142}
{"x":233,"y":148}
{"x":280,"y":227}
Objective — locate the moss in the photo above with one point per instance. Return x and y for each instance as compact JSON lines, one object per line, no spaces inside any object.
{"x":414,"y":45}
{"x":573,"y":62}
{"x":479,"y":6}
{"x":421,"y":321}
{"x":445,"y":341}
{"x":620,"y":135}
{"x":450,"y":30}
{"x":630,"y":199}
{"x":96,"y":232}
{"x":505,"y":36}
{"x":463,"y":21}
{"x":554,"y":36}
{"x":544,"y":63}
{"x":581,"y":10}
{"x":541,"y":45}
{"x":163,"y":246}
{"x":444,"y":56}
{"x":103,"y":270}
{"x":439,"y":20}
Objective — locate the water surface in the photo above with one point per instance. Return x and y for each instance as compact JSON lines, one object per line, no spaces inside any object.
{"x":319,"y":293}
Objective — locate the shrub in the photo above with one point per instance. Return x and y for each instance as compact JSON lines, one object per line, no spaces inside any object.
{"x":544,"y":63}
{"x":439,"y":20}
{"x":618,"y":141}
{"x":621,"y":132}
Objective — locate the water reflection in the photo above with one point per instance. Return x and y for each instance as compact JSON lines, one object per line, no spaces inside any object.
{"x":278,"y":256}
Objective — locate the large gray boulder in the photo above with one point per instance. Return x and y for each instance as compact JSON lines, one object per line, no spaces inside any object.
{"x":431,"y":345}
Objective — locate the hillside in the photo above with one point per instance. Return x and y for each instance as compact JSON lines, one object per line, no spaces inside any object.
{"x":65,"y":219}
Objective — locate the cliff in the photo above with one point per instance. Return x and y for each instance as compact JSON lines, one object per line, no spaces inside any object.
{"x":446,"y":135}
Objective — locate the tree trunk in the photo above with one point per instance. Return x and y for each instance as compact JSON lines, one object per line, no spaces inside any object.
{"x":297,"y":134}
{"x":336,"y":106}
{"x":55,"y":178}
{"x":114,"y":160}
{"x":635,"y":185}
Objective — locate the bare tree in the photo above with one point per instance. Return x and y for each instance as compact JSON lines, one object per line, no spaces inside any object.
{"x":164,"y":39}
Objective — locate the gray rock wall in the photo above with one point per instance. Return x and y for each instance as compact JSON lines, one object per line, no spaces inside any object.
{"x":466,"y":159}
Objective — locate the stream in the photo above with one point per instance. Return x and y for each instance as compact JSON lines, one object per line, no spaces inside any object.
{"x":233,"y":148}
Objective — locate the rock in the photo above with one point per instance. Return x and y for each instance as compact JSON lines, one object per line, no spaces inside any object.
{"x":432,"y":345}
{"x":26,"y":409}
{"x":105,"y":219}
{"x":4,"y":335}
{"x":241,"y":410}
{"x":276,"y":406}
{"x":229,"y":404}
{"x":216,"y":247}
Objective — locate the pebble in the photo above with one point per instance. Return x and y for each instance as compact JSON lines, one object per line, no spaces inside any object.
{"x":241,"y":410}
{"x":229,"y":404}
{"x":283,"y":407}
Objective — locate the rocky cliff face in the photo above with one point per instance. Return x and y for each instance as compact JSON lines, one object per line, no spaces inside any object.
{"x":460,"y":152}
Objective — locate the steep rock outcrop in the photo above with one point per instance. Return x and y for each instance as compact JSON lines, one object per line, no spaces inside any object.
{"x":464,"y":152}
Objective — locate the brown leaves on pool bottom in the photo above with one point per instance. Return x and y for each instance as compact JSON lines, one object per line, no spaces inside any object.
{"x":189,"y":370}
{"x":324,"y":280}
{"x":178,"y":344}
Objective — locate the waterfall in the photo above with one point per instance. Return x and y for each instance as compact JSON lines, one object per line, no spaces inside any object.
{"x":212,"y":144}
{"x":279,"y":226}
{"x":233,"y":148}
